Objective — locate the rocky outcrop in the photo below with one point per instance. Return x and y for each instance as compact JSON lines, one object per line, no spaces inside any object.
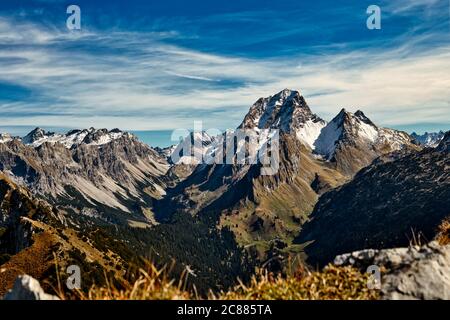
{"x":28,"y":288}
{"x":416,"y":272}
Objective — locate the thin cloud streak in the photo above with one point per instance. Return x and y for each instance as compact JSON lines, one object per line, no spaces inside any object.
{"x":155,"y":85}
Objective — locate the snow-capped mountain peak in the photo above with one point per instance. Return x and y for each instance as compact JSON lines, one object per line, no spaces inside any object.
{"x":72,"y":138}
{"x":37,"y":136}
{"x":358,"y":129}
{"x":344,"y":124}
{"x":198,"y":144}
{"x":288,"y":112}
{"x":429,"y":139}
{"x":444,"y":144}
{"x":103,"y":136}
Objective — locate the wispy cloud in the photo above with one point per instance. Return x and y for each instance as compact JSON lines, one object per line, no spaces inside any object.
{"x":188,"y":76}
{"x":403,"y":6}
{"x":139,"y":80}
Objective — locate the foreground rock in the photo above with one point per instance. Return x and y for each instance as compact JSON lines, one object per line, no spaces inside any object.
{"x":409,"y":273}
{"x":28,"y":288}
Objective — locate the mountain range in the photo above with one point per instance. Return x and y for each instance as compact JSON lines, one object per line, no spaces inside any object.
{"x":391,"y":203}
{"x":315,"y":156}
{"x":340,"y":185}
{"x":429,"y":139}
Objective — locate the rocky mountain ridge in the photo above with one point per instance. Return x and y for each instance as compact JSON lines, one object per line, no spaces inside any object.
{"x":88,"y":169}
{"x":429,"y":139}
{"x":108,"y":179}
{"x":314,"y":157}
{"x":387,"y":204}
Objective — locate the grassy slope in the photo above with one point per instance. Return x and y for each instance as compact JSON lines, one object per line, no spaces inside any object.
{"x":34,"y":261}
{"x":280,"y":213}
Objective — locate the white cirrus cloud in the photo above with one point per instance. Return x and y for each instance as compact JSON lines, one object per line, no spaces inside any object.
{"x":137,"y":81}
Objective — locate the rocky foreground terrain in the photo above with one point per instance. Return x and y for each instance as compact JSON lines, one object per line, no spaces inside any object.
{"x":415,"y":272}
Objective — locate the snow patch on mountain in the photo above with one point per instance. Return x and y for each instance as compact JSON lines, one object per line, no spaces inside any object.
{"x":429,"y":139}
{"x":90,"y":137}
{"x":106,"y":138}
{"x":192,"y":149}
{"x":5,"y":137}
{"x":310,"y":131}
{"x":325,"y":143}
{"x":367,"y":131}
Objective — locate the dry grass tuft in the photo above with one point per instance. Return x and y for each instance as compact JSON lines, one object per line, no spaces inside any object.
{"x":332,"y":283}
{"x":443,"y":236}
{"x":153,"y":284}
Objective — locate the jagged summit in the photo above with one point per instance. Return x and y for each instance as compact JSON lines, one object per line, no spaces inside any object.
{"x":287,"y":110}
{"x":346,"y":126}
{"x":350,"y":134}
{"x":36,"y":135}
{"x":346,"y":116}
{"x":74,"y":137}
{"x":444,"y":145}
{"x":109,"y":167}
{"x":428,"y":139}
{"x":5,"y":137}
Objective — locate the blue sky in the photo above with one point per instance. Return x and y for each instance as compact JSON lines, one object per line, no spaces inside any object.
{"x":161,"y":65}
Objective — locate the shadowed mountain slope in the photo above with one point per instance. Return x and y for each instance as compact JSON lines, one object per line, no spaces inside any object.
{"x":387,"y":204}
